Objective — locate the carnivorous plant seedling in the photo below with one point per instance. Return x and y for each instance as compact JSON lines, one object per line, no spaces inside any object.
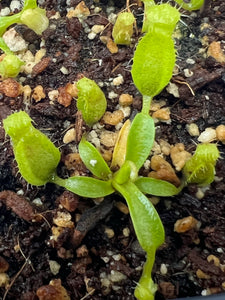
{"x":123,"y":28}
{"x":91,"y":100}
{"x":37,"y":159}
{"x":200,"y":168}
{"x":36,"y":155}
{"x":160,"y":18}
{"x":31,"y":15}
{"x":10,"y":64}
{"x":190,"y":5}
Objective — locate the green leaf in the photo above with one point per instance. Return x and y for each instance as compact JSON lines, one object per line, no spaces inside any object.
{"x":146,"y":288}
{"x":128,"y":171}
{"x":146,"y":221}
{"x":7,"y":21}
{"x":16,"y":125}
{"x":156,"y":187}
{"x":11,"y":64}
{"x":36,"y":19}
{"x":29,"y":4}
{"x":202,"y":175}
{"x":36,"y":156}
{"x":140,"y":139}
{"x":153,"y":63}
{"x":191,"y":5}
{"x":149,"y":231}
{"x":160,"y":19}
{"x":93,"y":160}
{"x":91,"y":101}
{"x":200,"y":168}
{"x":85,"y":186}
{"x":123,"y":28}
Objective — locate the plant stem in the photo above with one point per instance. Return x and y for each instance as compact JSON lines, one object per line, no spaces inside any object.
{"x":146,"y":104}
{"x":57,"y":180}
{"x":146,"y":288}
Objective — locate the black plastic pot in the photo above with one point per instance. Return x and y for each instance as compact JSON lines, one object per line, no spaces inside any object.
{"x":211,"y":297}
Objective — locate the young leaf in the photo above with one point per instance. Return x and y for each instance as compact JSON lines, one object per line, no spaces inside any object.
{"x":16,"y":125}
{"x":201,"y":175}
{"x":35,"y":18}
{"x":85,"y":186}
{"x":140,"y":139}
{"x":11,"y":64}
{"x":91,"y":100}
{"x":36,"y":156}
{"x":160,"y":19}
{"x":120,"y":148}
{"x":153,"y":63}
{"x":146,"y":221}
{"x":6,"y":21}
{"x":149,"y":231}
{"x":128,"y":171}
{"x":156,"y":187}
{"x":29,"y":4}
{"x":93,"y":160}
{"x":123,"y":28}
{"x":200,"y":168}
{"x":191,"y":5}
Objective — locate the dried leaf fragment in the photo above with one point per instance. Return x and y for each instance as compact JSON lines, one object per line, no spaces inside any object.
{"x":18,"y":204}
{"x":41,"y":66}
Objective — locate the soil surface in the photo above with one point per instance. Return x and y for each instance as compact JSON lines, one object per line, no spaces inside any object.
{"x":95,"y":254}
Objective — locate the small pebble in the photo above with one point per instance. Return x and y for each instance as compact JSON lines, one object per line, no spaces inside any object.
{"x":207,"y":136}
{"x":109,"y":232}
{"x":4,"y":280}
{"x":126,"y":231}
{"x":91,"y":35}
{"x":54,"y":267}
{"x":64,"y":70}
{"x":5,"y":11}
{"x":185,"y":224}
{"x":163,"y":269}
{"x":117,"y":276}
{"x":125,"y":99}
{"x":97,"y":28}
{"x":70,"y":136}
{"x":193,"y":129}
{"x":118,"y":80}
{"x":220,"y":133}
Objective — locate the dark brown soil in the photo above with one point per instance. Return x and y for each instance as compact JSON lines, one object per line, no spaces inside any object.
{"x":88,"y":253}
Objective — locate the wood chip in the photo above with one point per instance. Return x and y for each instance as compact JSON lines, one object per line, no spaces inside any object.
{"x":18,"y":204}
